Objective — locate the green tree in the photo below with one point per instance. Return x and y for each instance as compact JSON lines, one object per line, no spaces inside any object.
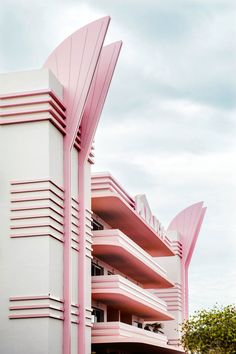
{"x":211,"y":331}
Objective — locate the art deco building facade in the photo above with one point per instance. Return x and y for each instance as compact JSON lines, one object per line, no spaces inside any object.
{"x":83,"y":265}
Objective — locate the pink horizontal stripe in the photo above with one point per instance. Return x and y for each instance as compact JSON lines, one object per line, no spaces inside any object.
{"x":33,"y":111}
{"x":33,"y":226}
{"x":37,"y":235}
{"x":20,"y":200}
{"x":36,"y":208}
{"x":36,"y":190}
{"x":36,"y":316}
{"x":75,"y":305}
{"x":77,"y":146}
{"x":35,"y":119}
{"x":22,"y":104}
{"x":75,"y":200}
{"x":31,"y":307}
{"x":35,"y":93}
{"x":75,"y":248}
{"x":75,"y":216}
{"x":33,"y":217}
{"x":73,"y":223}
{"x":35,"y":297}
{"x":36,"y":181}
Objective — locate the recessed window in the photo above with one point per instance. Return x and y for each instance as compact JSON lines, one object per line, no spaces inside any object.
{"x":96,"y":225}
{"x":138,"y":324}
{"x":97,"y":269}
{"x":98,"y":315}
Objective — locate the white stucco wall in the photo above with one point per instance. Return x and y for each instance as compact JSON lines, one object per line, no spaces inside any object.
{"x":29,"y":266}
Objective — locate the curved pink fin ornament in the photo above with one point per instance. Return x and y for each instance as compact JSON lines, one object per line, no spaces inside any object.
{"x":74,"y":62}
{"x":188,"y":223}
{"x":93,"y":108}
{"x":97,"y":94}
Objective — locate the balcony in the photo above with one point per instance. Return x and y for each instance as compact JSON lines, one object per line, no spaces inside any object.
{"x":120,"y":293}
{"x":118,"y":335}
{"x":116,"y":249}
{"x":117,"y":208}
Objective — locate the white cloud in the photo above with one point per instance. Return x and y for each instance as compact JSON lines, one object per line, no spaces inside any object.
{"x":168,"y":128}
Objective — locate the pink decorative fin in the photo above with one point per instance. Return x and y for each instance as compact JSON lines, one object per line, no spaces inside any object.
{"x":97,"y":94}
{"x":188,"y":223}
{"x":74,"y":62}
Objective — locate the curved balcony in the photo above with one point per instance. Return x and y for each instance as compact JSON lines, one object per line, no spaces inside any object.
{"x":116,"y":249}
{"x":118,"y":335}
{"x":117,"y":208}
{"x":120,"y":293}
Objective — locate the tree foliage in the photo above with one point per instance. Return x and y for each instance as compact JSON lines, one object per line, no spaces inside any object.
{"x":211,"y":331}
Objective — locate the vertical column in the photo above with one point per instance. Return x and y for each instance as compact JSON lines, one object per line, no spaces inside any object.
{"x":174,"y":297}
{"x":32,"y":122}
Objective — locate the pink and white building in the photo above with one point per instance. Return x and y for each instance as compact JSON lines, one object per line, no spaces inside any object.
{"x":83,"y":265}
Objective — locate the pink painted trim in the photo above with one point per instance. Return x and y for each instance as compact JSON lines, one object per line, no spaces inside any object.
{"x":35,"y":93}
{"x":45,"y":315}
{"x":36,"y":199}
{"x":82,"y":259}
{"x":77,"y":146}
{"x":13,"y":183}
{"x":37,"y":190}
{"x":25,"y":113}
{"x":99,"y":178}
{"x":178,"y":295}
{"x":62,"y":125}
{"x":74,"y":313}
{"x":42,"y":216}
{"x":75,"y":248}
{"x":37,"y":235}
{"x":16,"y":227}
{"x":36,"y":208}
{"x":26,"y":103}
{"x":32,"y":307}
{"x":31,"y":120}
{"x":35,"y":297}
{"x":75,"y":200}
{"x":75,"y":216}
{"x":75,"y":208}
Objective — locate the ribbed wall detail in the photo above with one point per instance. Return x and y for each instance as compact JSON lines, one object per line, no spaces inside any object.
{"x":35,"y":307}
{"x":74,"y":313}
{"x":88,"y":317}
{"x":75,"y":224}
{"x":32,"y":107}
{"x":88,"y":232}
{"x":77,"y":145}
{"x":36,"y":209}
{"x":177,"y":248}
{"x":91,"y":154}
{"x":172,"y":297}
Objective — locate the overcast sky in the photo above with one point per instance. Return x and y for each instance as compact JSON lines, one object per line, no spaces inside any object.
{"x":168,"y":128}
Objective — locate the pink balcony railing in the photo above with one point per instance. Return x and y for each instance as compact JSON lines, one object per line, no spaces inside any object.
{"x":119,"y":251}
{"x":119,"y":292}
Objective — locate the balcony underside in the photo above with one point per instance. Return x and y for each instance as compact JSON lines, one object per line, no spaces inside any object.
{"x":120,"y":293}
{"x":116,"y":249}
{"x":120,"y":336}
{"x":134,"y":348}
{"x":120,"y":215}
